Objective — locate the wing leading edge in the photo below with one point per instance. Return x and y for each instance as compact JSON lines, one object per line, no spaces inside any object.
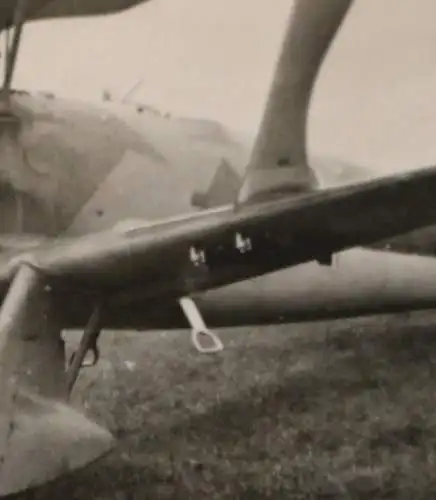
{"x":220,"y":247}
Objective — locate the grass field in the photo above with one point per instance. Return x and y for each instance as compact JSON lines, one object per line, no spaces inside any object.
{"x":324,"y":410}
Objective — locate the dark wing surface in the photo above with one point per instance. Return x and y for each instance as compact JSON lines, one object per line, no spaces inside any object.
{"x":210,"y":249}
{"x":47,"y":9}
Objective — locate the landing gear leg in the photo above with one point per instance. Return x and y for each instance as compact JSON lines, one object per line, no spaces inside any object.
{"x":198,"y":327}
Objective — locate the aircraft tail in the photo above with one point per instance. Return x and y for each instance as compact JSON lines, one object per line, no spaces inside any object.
{"x":279,"y":163}
{"x":41,"y":436}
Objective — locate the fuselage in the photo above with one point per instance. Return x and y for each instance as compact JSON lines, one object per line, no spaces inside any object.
{"x":71,"y":168}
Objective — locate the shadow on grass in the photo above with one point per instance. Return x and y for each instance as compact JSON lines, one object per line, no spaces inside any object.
{"x":357,"y":422}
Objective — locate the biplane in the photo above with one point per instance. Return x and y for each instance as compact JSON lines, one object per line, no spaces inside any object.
{"x":282,"y":250}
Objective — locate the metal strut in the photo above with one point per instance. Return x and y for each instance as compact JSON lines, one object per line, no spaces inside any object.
{"x":88,"y":343}
{"x":198,"y":327}
{"x":11,"y":56}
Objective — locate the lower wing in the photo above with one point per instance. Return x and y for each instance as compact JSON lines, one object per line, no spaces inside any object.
{"x":219,"y":247}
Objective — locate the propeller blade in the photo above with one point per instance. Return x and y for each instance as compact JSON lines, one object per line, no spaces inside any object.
{"x":279,"y":160}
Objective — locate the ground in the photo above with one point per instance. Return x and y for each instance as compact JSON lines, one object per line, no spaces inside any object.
{"x":322,"y":410}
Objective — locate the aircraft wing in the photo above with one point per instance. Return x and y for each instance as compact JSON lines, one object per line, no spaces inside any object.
{"x":218,"y":247}
{"x":46,"y":9}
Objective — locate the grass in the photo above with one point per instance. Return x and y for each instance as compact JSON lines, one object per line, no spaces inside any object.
{"x":315,"y":411}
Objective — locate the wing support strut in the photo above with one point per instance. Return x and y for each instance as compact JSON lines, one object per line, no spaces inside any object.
{"x":88,"y":343}
{"x":18,"y":21}
{"x":198,"y":327}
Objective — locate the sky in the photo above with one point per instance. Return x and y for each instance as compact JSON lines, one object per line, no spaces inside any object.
{"x":375,"y":102}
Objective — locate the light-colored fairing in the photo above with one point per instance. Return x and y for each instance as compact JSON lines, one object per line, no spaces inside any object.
{"x":40,"y":435}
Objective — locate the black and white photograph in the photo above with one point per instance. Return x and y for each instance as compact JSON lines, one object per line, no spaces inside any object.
{"x":217,"y":249}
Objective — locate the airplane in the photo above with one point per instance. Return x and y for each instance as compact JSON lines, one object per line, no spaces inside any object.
{"x":280,"y":249}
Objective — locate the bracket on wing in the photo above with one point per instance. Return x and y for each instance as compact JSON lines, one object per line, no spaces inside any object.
{"x":88,"y":344}
{"x":198,"y":327}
